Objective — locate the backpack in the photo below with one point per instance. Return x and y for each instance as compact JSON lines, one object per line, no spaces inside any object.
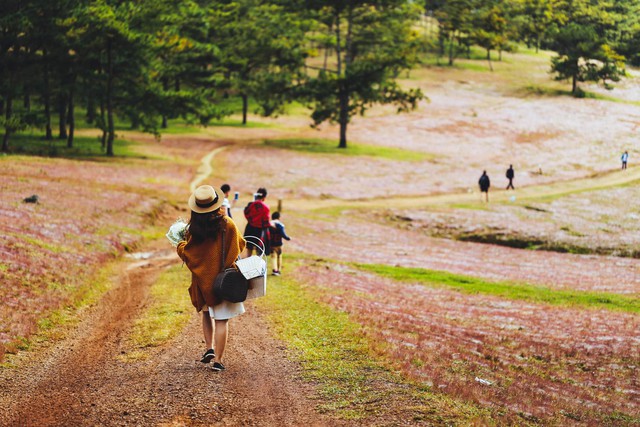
{"x":275,"y":236}
{"x":253,"y":214}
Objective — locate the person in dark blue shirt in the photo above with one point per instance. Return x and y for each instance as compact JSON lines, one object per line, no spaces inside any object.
{"x":277,"y":233}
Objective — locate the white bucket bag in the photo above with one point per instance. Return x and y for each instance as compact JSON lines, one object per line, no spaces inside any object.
{"x":254,"y":269}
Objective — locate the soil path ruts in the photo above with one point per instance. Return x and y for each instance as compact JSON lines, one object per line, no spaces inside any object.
{"x":80,"y":381}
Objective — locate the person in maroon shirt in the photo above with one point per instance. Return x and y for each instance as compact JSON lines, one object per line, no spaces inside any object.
{"x":258,"y":221}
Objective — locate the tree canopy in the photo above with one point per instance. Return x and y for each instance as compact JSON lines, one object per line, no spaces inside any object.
{"x":148,"y":62}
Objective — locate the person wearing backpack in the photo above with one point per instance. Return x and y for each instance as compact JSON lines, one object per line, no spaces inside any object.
{"x":277,"y":233}
{"x":484,"y":184}
{"x":258,"y":221}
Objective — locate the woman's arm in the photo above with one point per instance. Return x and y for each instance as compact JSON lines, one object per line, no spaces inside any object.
{"x":180,"y":250}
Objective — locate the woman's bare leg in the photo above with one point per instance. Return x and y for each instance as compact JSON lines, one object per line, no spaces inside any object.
{"x":207,"y":329}
{"x":222,"y":330}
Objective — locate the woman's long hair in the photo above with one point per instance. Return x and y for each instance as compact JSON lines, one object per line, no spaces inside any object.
{"x":203,"y":226}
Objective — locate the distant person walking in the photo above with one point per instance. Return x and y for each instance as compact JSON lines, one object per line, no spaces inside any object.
{"x":226,"y":189}
{"x":201,"y":251}
{"x":277,"y":234}
{"x":258,"y":221}
{"x":510,"y":175}
{"x":625,"y":159}
{"x":484,"y":184}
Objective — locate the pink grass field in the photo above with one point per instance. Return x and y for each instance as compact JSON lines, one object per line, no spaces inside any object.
{"x":550,"y":364}
{"x":88,"y":212}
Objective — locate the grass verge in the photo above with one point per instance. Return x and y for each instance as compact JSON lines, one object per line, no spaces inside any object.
{"x":328,"y":146}
{"x":167,"y":315}
{"x":513,"y":291}
{"x":335,"y":356}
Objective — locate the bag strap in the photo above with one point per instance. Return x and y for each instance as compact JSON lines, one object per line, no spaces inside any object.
{"x":224,"y":251}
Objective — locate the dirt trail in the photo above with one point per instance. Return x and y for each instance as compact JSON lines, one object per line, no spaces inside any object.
{"x":605,"y":180}
{"x":205,"y":168}
{"x":80,"y":380}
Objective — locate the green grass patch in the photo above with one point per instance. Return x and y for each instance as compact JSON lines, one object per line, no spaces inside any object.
{"x":83,"y":147}
{"x":236,"y":122}
{"x":335,"y":356}
{"x":180,"y":128}
{"x":508,"y":290}
{"x":547,"y":91}
{"x":167,"y":315}
{"x":327,"y":146}
{"x":471,"y":206}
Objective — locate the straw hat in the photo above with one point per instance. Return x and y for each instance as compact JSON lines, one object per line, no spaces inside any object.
{"x":206,"y":199}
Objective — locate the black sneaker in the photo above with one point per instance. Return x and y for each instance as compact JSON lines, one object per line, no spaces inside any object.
{"x":217,"y":366}
{"x":208,"y":356}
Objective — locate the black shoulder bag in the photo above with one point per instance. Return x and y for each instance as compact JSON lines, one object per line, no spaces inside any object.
{"x":229,"y":284}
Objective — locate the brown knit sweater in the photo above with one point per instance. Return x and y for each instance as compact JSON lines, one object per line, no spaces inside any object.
{"x":203,"y":259}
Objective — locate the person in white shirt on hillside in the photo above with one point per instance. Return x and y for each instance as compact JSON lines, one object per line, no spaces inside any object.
{"x":625,"y":159}
{"x":226,"y":189}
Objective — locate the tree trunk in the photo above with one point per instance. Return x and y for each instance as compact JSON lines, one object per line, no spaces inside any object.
{"x":71,"y":119}
{"x":245,"y":107}
{"x":326,"y":58}
{"x":338,"y":47}
{"x":103,"y":140}
{"x":451,"y":49}
{"x":135,"y":121}
{"x":441,"y":42}
{"x":91,"y":109}
{"x":27,"y":98}
{"x":344,"y":116}
{"x":110,"y":126}
{"x":574,"y":84}
{"x":489,"y":59}
{"x":343,"y":89}
{"x":47,"y":104}
{"x":7,"y":128}
{"x":62,"y":113}
{"x":165,"y":87}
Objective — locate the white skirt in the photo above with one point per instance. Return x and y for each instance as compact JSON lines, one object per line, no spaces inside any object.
{"x":225,"y":310}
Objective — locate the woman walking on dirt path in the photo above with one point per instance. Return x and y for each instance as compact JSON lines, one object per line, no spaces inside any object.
{"x":258,"y":218}
{"x":202,"y":252}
